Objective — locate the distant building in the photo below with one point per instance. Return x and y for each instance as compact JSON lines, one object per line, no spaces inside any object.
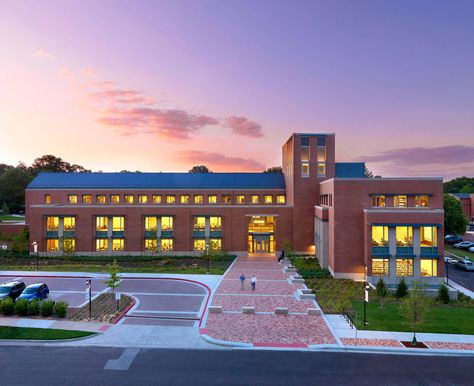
{"x":358,"y":227}
{"x":467,"y":203}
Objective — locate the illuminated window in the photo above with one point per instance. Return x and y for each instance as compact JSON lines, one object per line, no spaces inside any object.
{"x":378,"y":201}
{"x":321,"y":169}
{"x":52,"y":245}
{"x":142,"y":198}
{"x":428,"y":237}
{"x":400,"y":201}
{"x":185,"y":199}
{"x":254,"y":199}
{"x":199,"y":244}
{"x":215,"y":223}
{"x":379,"y":236}
{"x":305,"y":169}
{"x":321,"y":154}
{"x":72,"y":198}
{"x":281,"y":199}
{"x":167,"y":223}
{"x":69,"y":223}
{"x":170,"y":199}
{"x":199,"y":223}
{"x":117,"y":245}
{"x":128,"y":198}
{"x":102,"y":224}
{"x":226,"y":199}
{"x":379,"y":267}
{"x":422,"y":201}
{"x":52,"y":224}
{"x":47,"y":198}
{"x":150,"y":223}
{"x":215,"y":244}
{"x":404,"y":235}
{"x":240,"y":199}
{"x":102,"y":245}
{"x":86,"y":199}
{"x":69,"y":245}
{"x":305,"y":154}
{"x":156,"y":199}
{"x":198,"y":198}
{"x":100,"y":198}
{"x":150,"y":245}
{"x":404,"y":267}
{"x":114,"y":198}
{"x":166,"y":244}
{"x":268,"y":199}
{"x":429,"y":267}
{"x":212,"y":199}
{"x":118,"y":224}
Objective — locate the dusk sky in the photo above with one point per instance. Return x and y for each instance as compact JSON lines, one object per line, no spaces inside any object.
{"x":165,"y":85}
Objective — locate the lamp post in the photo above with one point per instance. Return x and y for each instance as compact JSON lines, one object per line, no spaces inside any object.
{"x":89,"y":287}
{"x":35,"y":249}
{"x":366,"y":300}
{"x":208,"y":257}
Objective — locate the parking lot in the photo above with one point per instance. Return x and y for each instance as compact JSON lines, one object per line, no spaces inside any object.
{"x":158,"y":301}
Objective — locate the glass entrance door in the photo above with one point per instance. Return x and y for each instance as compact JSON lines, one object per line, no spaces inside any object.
{"x":260,"y":244}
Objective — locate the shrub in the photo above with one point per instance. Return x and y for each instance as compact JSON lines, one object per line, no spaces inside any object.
{"x":33,"y":308}
{"x":60,"y":309}
{"x":7,"y":306}
{"x":47,"y":307}
{"x":21,"y":307}
{"x":402,"y":289}
{"x":381,"y":288}
{"x":443,"y":294}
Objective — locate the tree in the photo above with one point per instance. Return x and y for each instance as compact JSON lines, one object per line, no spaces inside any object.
{"x":454,"y":220}
{"x":274,"y":169}
{"x":200,"y":169}
{"x":382,"y":292}
{"x":114,"y":280}
{"x":52,"y":163}
{"x":414,"y":308}
{"x":12,"y":187}
{"x":368,"y":173}
{"x":402,"y":289}
{"x":4,"y":168}
{"x":459,"y":185}
{"x":443,"y":294}
{"x":20,"y":242}
{"x":5,"y":208}
{"x":67,"y":247}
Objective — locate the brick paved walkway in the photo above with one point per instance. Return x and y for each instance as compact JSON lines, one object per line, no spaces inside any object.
{"x":264,"y":328}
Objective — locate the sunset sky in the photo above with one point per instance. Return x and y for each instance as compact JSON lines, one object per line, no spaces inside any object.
{"x":165,"y":85}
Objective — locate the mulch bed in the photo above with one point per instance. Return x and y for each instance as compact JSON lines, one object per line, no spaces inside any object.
{"x":410,"y":345}
{"x":104,"y":309}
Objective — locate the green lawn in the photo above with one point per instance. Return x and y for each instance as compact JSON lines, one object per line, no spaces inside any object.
{"x":40,"y":333}
{"x":461,"y":253}
{"x":448,"y":319}
{"x":7,"y":217}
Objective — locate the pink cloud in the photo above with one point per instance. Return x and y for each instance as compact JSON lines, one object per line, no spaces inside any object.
{"x":89,"y":72}
{"x":172,"y":123}
{"x":219,"y":162}
{"x":123,"y":97}
{"x":243,"y":126}
{"x":44,"y":54}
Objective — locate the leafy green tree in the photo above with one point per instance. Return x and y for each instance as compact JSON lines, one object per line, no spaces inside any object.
{"x":114,"y":280}
{"x":459,"y":185}
{"x":200,"y":169}
{"x":382,"y":292}
{"x":274,"y":169}
{"x":443,"y":294}
{"x":20,"y":242}
{"x":402,"y":289}
{"x":12,"y":187}
{"x":454,"y":220}
{"x":414,"y":308}
{"x":51,"y":163}
{"x":4,"y":168}
{"x":5,"y":208}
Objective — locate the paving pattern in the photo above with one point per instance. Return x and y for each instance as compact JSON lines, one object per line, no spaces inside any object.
{"x":264,"y":328}
{"x":371,"y":342}
{"x":450,"y":345}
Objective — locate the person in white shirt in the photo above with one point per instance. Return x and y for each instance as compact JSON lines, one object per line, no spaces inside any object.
{"x":253,"y":280}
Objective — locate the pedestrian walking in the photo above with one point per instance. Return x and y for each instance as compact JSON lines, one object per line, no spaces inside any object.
{"x":242,"y":279}
{"x":253,"y":281}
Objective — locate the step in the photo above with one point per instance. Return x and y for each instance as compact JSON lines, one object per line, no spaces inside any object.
{"x":248,"y":310}
{"x":215,"y":309}
{"x":281,"y":311}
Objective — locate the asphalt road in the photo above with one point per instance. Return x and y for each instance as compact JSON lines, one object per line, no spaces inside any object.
{"x":464,"y":278}
{"x":85,"y":366}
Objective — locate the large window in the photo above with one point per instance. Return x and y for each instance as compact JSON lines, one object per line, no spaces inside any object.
{"x":404,"y":235}
{"x":52,"y":245}
{"x":167,"y":223}
{"x":422,"y":201}
{"x":305,"y":169}
{"x":52,"y":224}
{"x":101,"y":224}
{"x":86,"y":199}
{"x":215,"y":244}
{"x":69,"y":223}
{"x":429,"y":267}
{"x":400,"y":201}
{"x":72,"y":198}
{"x":380,"y":236}
{"x":118,"y":224}
{"x":198,"y":199}
{"x":240,"y":199}
{"x":128,"y":198}
{"x":215,"y":223}
{"x":102,"y":245}
{"x":404,"y":267}
{"x":379,"y":267}
{"x":170,"y":199}
{"x":150,"y":245}
{"x":378,"y":201}
{"x":199,"y":244}
{"x":428,"y":237}
{"x":199,"y":223}
{"x":185,"y":199}
{"x":321,"y":156}
{"x":150,"y":223}
{"x":166,"y":244}
{"x":305,"y":156}
{"x":117,"y":245}
{"x":281,"y":199}
{"x":212,"y":199}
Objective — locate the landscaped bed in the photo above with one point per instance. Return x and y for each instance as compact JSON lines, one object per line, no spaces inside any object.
{"x":40,"y":333}
{"x":104,"y":309}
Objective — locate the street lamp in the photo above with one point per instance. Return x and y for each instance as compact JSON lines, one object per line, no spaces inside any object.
{"x":89,"y":287}
{"x":366,"y":300}
{"x":35,"y":249}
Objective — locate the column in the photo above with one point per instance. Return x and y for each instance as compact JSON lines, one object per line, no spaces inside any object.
{"x":60,"y":233}
{"x":109,"y":235}
{"x":416,"y":252}
{"x":158,"y":233}
{"x":392,"y":250}
{"x":207,"y":230}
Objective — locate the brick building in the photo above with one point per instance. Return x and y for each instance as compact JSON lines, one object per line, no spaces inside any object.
{"x":357,"y":227}
{"x":467,"y":202}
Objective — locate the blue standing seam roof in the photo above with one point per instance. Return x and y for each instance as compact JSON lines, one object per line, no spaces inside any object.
{"x":350,"y":170}
{"x":50,"y":180}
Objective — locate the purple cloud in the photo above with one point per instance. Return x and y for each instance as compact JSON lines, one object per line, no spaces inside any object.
{"x":243,"y":126}
{"x":219,"y":162}
{"x":122,"y":97}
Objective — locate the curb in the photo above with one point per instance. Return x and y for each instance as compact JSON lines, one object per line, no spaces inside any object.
{"x":94,"y":335}
{"x":124,"y":312}
{"x":226,"y":343}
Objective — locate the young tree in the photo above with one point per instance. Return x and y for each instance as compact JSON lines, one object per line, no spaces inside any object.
{"x":382,"y":292}
{"x":68,"y":247}
{"x":454,"y":220}
{"x":5,"y":208}
{"x":114,"y":280}
{"x":414,"y":308}
{"x":443,"y":294}
{"x":402,"y":289}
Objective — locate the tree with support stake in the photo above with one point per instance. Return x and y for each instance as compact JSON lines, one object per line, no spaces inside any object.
{"x":114,"y":280}
{"x":414,"y":309}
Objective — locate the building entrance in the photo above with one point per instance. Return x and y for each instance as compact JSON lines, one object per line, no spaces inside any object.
{"x":261,"y":234}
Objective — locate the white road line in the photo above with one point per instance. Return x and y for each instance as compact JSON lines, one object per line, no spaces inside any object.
{"x":163,"y":312}
{"x":124,"y":362}
{"x":161,"y":294}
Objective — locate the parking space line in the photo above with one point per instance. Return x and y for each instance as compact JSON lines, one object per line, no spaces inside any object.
{"x":164,"y":312}
{"x":124,"y":362}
